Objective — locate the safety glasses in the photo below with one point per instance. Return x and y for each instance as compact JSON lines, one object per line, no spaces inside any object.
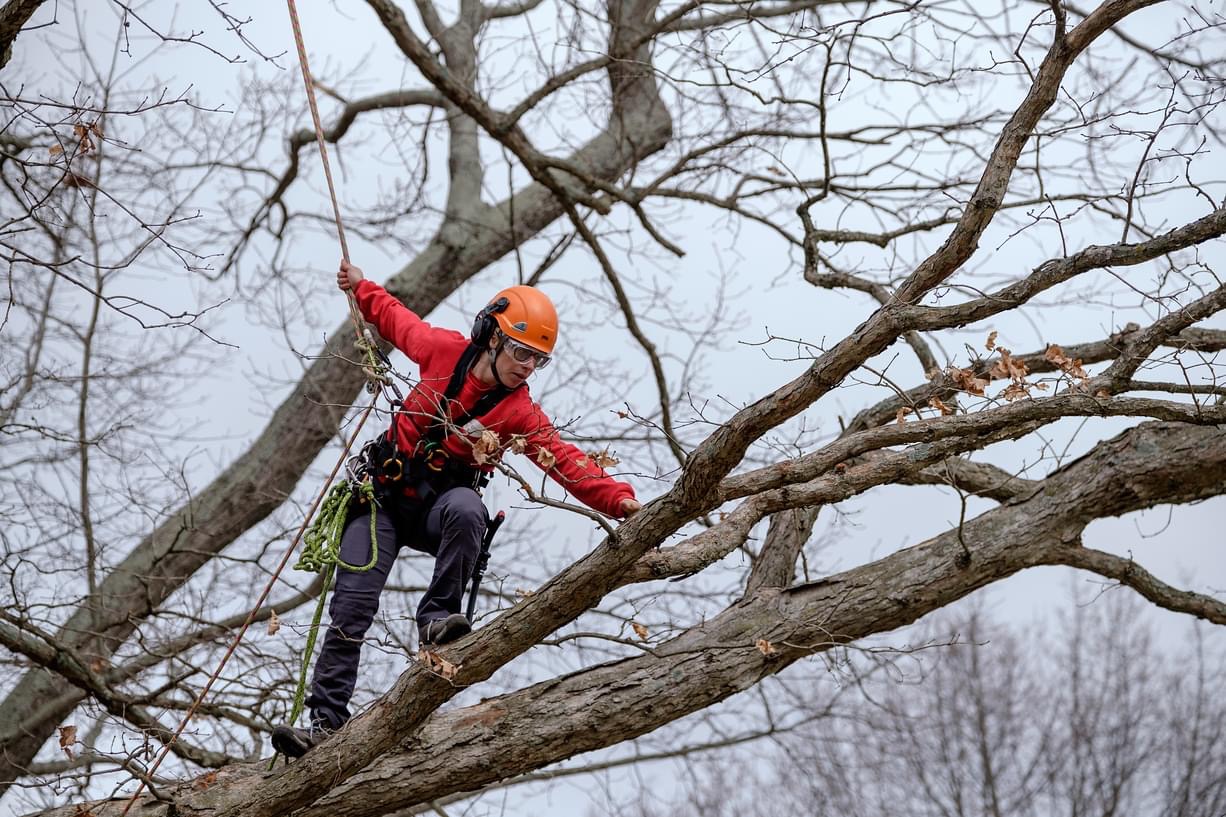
{"x":522,"y":354}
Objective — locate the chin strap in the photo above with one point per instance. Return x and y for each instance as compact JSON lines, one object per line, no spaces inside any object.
{"x":494,"y":366}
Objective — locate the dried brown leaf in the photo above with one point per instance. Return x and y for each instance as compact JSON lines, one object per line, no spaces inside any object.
{"x":68,"y":736}
{"x":81,"y":132}
{"x":518,"y":444}
{"x":639,"y":630}
{"x":56,"y":150}
{"x":546,"y":459}
{"x":901,"y":416}
{"x":274,"y":623}
{"x":603,"y":459}
{"x":1009,"y":368}
{"x":438,"y":664}
{"x":966,"y":380}
{"x":1055,"y":355}
{"x":77,"y":180}
{"x":991,"y":342}
{"x":940,"y":405}
{"x":766,"y":648}
{"x":524,"y":592}
{"x":1015,"y":391}
{"x":486,"y":447}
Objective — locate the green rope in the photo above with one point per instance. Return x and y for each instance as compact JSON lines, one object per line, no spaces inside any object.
{"x":321,"y":553}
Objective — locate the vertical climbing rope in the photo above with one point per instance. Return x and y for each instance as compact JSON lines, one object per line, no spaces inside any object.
{"x":375,"y":373}
{"x":254,"y":610}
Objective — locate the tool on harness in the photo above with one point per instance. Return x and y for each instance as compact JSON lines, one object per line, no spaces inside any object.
{"x":483,"y":560}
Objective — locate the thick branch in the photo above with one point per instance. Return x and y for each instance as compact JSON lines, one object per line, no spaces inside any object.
{"x":1127,"y":572}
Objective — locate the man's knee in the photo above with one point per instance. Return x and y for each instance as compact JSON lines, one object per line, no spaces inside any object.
{"x":352,"y":612}
{"x":462,"y":508}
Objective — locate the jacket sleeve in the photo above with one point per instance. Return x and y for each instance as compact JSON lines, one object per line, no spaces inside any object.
{"x":571,"y":468}
{"x":397,"y":323}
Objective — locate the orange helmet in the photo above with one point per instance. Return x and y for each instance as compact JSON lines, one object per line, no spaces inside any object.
{"x":524,"y":314}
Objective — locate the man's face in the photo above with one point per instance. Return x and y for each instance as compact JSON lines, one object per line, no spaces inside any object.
{"x":516,"y":362}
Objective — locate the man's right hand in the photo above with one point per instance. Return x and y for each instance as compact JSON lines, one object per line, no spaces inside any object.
{"x":348,"y":276}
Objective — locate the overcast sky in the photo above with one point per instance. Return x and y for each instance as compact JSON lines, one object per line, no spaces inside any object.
{"x":768,"y":298}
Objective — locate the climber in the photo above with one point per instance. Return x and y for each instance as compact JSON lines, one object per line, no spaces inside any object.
{"x":470,"y":405}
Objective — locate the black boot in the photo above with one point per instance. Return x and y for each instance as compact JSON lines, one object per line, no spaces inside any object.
{"x":294,"y":742}
{"x":443,"y":630}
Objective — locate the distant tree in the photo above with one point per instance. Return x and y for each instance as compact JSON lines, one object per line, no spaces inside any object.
{"x":947,"y":178}
{"x":1093,"y":715}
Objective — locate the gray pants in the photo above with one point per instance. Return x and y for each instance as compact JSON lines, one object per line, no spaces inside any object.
{"x":451,"y":532}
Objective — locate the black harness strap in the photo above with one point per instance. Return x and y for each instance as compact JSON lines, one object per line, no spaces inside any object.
{"x":436,"y":432}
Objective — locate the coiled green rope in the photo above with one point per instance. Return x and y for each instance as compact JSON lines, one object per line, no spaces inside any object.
{"x":321,"y":553}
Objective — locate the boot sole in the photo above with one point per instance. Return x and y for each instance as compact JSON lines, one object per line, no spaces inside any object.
{"x":287,"y":743}
{"x":451,"y":629}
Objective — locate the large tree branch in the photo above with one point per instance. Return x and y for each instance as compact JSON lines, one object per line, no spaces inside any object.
{"x":1130,"y":574}
{"x":1151,"y":464}
{"x":1060,"y":270}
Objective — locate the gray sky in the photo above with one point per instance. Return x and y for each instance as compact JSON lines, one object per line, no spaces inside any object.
{"x":766,"y":293}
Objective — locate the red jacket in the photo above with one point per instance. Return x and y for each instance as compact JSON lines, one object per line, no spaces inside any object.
{"x":436,"y":352}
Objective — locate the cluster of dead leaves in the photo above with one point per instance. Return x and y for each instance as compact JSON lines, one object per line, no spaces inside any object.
{"x":1071,"y":367}
{"x":1007,"y":367}
{"x":1010,"y":368}
{"x":602,"y":459}
{"x":84,"y":137}
{"x":933,"y":402}
{"x":486,"y":447}
{"x":81,"y":144}
{"x":437,"y":664}
{"x":489,"y":446}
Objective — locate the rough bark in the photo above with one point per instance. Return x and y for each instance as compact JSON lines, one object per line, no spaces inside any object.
{"x":512,"y":734}
{"x":13,"y":15}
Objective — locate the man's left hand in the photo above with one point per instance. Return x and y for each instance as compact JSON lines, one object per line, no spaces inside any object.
{"x":629,"y":507}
